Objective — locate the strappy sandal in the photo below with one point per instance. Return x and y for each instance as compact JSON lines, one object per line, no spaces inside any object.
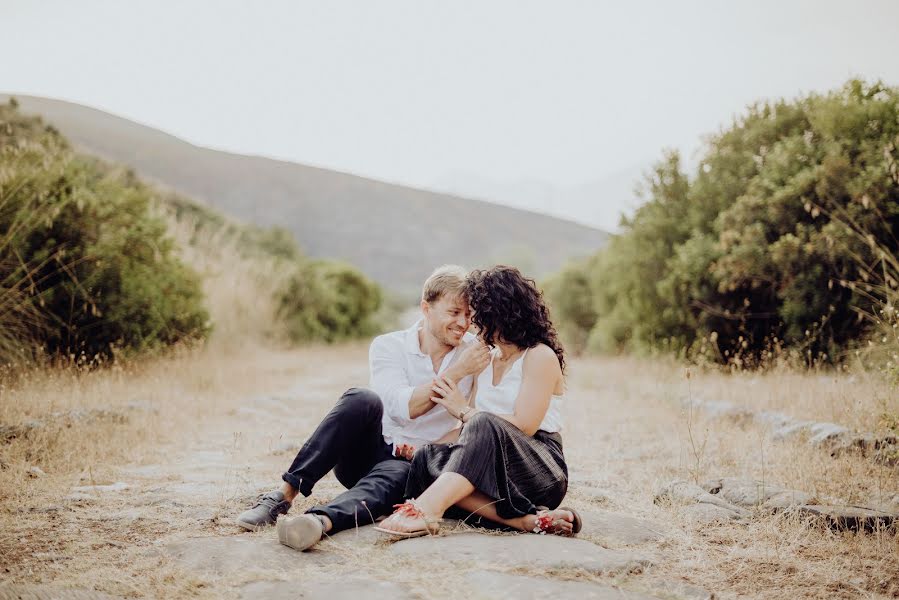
{"x":410,"y":509}
{"x":547,"y":525}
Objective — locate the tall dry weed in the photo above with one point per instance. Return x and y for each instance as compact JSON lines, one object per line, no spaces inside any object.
{"x":20,"y":315}
{"x":240,"y":287}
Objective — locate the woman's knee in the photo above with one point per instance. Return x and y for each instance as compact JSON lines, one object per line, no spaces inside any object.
{"x":481,"y":420}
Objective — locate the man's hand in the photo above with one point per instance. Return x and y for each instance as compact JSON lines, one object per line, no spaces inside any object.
{"x":472,"y":359}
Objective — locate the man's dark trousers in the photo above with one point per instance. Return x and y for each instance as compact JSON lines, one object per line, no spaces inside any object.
{"x":349,"y":440}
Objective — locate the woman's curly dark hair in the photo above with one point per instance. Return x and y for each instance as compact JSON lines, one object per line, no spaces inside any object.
{"x":509,"y":307}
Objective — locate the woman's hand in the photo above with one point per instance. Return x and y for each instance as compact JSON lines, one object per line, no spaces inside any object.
{"x":404,"y":451}
{"x":448,"y":396}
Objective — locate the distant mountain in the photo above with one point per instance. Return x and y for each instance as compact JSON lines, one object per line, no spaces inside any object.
{"x":598,"y":203}
{"x":395,"y":234}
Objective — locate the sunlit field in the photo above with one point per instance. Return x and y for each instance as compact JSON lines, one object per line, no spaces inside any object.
{"x":195,"y":436}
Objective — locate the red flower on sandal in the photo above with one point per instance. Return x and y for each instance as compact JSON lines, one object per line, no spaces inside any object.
{"x":546,"y":524}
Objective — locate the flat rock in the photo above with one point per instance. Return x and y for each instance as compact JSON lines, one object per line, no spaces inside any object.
{"x":49,"y":592}
{"x":345,"y":589}
{"x":619,"y":528}
{"x":224,"y":555}
{"x":359,"y":535}
{"x":491,"y":584}
{"x":851,"y":517}
{"x":749,"y":493}
{"x":544,"y":551}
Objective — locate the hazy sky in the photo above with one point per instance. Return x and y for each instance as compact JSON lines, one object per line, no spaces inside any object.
{"x":426,"y":93}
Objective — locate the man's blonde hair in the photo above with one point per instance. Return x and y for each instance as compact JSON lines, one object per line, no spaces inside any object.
{"x":447,"y":279}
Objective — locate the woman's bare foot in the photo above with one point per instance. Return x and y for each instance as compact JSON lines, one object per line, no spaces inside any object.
{"x":554,"y":522}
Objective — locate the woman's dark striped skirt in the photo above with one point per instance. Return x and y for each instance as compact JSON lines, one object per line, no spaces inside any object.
{"x":518,"y":471}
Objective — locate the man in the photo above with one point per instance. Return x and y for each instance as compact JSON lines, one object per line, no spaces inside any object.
{"x":369,"y":436}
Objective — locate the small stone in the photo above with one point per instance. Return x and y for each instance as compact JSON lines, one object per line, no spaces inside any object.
{"x":35,"y":472}
{"x":709,"y":513}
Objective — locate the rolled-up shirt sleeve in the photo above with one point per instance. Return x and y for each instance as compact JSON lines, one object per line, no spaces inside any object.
{"x":389,"y":378}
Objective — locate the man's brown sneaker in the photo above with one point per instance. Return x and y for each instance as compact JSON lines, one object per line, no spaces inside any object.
{"x":265,"y":512}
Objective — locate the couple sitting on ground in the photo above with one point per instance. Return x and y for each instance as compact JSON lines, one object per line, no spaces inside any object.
{"x":448,"y":427}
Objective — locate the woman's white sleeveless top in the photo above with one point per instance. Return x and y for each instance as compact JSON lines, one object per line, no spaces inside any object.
{"x":500,"y":399}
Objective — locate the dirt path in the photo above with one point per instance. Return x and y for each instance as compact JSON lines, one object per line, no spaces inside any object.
{"x":163,"y":525}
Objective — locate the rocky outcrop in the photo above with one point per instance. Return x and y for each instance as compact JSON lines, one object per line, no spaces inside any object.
{"x":730,"y":498}
{"x":833,"y":438}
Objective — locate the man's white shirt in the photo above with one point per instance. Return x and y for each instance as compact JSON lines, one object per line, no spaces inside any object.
{"x":397,"y":365}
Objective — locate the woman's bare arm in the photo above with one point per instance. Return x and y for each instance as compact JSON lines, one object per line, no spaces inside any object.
{"x":540,"y":374}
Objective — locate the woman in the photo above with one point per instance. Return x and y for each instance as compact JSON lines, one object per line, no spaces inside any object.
{"x":507,"y":465}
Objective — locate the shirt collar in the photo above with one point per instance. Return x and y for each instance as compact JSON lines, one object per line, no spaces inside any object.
{"x":413,"y":346}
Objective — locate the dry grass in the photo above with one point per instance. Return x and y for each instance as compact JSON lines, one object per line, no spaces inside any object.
{"x":645,"y":442}
{"x":627,"y":434}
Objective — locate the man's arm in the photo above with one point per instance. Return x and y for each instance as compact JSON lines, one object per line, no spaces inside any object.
{"x":420,"y":401}
{"x":402,"y":402}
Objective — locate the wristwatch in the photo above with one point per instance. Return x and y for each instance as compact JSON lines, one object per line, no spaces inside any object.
{"x":464,"y":412}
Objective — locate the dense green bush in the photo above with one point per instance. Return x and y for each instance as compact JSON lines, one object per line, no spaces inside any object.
{"x":329,"y":301}
{"x":777,"y":242}
{"x":82,"y":254}
{"x":572,"y":305}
